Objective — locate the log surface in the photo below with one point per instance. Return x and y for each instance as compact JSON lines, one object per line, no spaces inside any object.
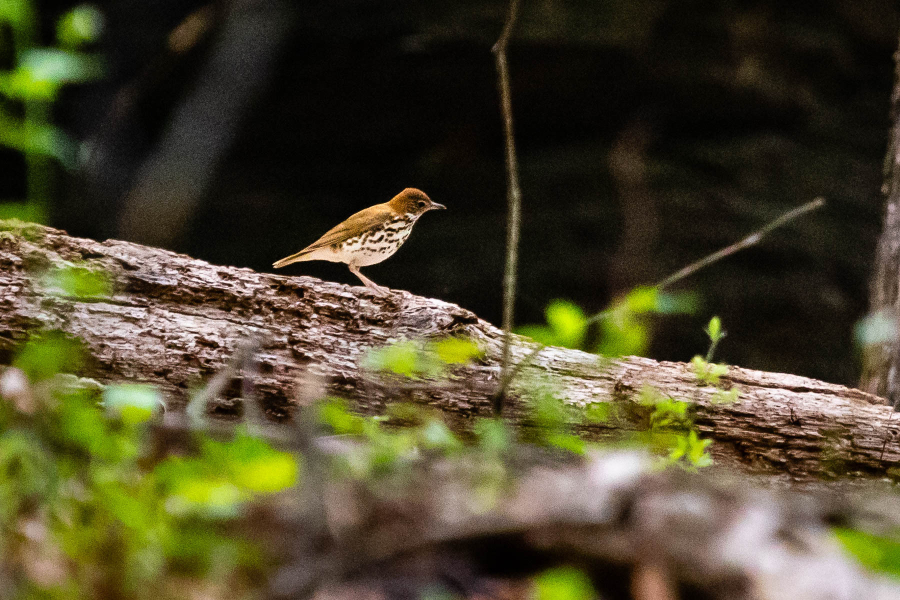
{"x":173,"y":321}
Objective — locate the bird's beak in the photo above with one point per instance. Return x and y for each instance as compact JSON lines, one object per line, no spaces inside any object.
{"x":436,"y":206}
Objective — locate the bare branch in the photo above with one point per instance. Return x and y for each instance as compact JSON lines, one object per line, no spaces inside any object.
{"x":751,"y":240}
{"x":514,"y":197}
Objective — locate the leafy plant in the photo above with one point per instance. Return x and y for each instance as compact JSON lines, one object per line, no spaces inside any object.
{"x":708,"y":373}
{"x":623,"y":327}
{"x":672,"y":431}
{"x":85,"y":505}
{"x":30,"y":86}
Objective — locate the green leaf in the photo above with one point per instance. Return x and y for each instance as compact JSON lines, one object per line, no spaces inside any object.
{"x":437,"y":435}
{"x":697,"y":447}
{"x":403,"y":358}
{"x":25,"y":464}
{"x":493,"y":434}
{"x":253,"y":464}
{"x":16,"y":12}
{"x":336,"y":414}
{"x":568,"y":323}
{"x":60,"y":66}
{"x":642,"y":299}
{"x":539,"y":333}
{"x":82,"y":424}
{"x":37,"y":138}
{"x":274,"y":472}
{"x":708,"y":373}
{"x":564,"y":583}
{"x":669,"y":413}
{"x":46,"y":355}
{"x":623,"y":334}
{"x":567,"y":441}
{"x":132,"y":402}
{"x":668,"y":303}
{"x":725,"y":397}
{"x":79,"y":282}
{"x":81,"y":25}
{"x":714,"y":329}
{"x":456,"y":350}
{"x":876,"y":552}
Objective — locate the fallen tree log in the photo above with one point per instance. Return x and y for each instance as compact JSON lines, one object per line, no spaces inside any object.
{"x":172,"y":321}
{"x":658,"y":535}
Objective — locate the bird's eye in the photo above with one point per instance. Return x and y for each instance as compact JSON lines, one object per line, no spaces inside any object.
{"x":420,"y":204}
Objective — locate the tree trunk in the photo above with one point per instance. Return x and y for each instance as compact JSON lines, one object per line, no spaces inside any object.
{"x":172,"y":321}
{"x":881,"y":361}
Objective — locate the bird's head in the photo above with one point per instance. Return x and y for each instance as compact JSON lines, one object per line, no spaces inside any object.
{"x":413,"y":203}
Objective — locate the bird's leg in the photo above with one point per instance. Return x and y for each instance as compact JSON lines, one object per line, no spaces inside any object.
{"x":381,"y":291}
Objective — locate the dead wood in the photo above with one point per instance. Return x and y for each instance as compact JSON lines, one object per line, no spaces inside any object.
{"x":173,"y":321}
{"x":681,"y":535}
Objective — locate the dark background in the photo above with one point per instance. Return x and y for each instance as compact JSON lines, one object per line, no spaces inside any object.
{"x":650,"y":133}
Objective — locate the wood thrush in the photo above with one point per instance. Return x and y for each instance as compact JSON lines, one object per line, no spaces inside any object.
{"x":369,"y":236}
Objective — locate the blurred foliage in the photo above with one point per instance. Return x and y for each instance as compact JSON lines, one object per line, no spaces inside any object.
{"x":877,"y":552}
{"x":566,"y":326}
{"x":552,"y":421}
{"x":623,"y":329}
{"x":78,"y":282}
{"x":30,"y":86}
{"x":85,"y":506}
{"x":416,"y":360}
{"x":47,"y":354}
{"x":563,"y":583}
{"x":876,"y":329}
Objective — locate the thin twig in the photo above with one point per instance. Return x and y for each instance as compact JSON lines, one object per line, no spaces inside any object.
{"x":507,"y":376}
{"x":750,"y":240}
{"x":196,"y":408}
{"x":512,"y":373}
{"x":514,"y":196}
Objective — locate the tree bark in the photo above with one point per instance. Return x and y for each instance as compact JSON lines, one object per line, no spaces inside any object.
{"x":881,"y":361}
{"x":172,"y":321}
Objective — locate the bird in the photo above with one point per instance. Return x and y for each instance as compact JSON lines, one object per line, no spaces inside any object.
{"x":369,"y":236}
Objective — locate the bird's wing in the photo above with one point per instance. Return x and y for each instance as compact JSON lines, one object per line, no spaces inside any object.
{"x":364,"y":219}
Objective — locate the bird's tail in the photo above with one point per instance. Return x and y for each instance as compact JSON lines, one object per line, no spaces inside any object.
{"x":289,"y":260}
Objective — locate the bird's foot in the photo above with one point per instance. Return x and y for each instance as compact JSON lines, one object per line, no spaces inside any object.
{"x":379,"y":290}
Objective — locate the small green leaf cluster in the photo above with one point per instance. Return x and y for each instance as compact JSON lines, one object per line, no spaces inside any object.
{"x":389,"y":443}
{"x":30,"y":85}
{"x":672,"y":431}
{"x":86,"y":506}
{"x":417,"y":360}
{"x":710,"y":373}
{"x":622,"y":329}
